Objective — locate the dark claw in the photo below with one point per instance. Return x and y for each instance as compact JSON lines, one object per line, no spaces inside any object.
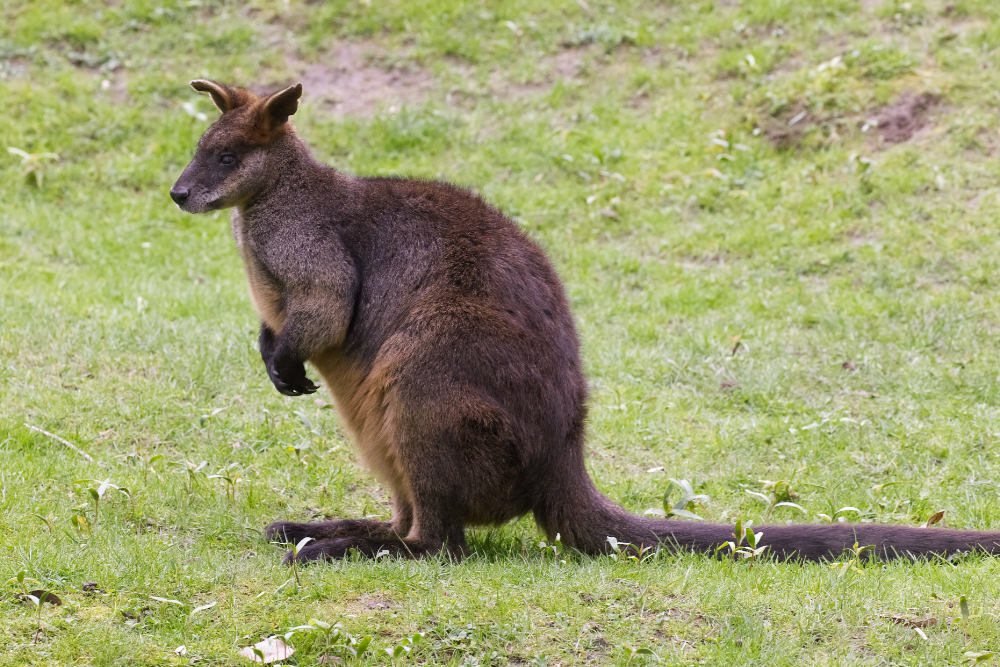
{"x":286,"y":389}
{"x":292,"y":390}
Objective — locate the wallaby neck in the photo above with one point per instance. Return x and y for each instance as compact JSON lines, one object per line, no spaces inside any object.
{"x":292,"y":179}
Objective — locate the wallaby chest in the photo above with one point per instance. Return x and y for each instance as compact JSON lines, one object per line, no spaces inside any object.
{"x":264,"y":281}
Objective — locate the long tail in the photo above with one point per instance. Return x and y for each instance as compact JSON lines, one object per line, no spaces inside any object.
{"x":584,"y":519}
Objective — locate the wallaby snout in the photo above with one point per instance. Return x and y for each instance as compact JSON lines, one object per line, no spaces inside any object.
{"x":179,"y":194}
{"x":198,"y":189}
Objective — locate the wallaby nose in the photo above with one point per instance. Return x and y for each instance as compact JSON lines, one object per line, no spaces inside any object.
{"x":179,"y":195}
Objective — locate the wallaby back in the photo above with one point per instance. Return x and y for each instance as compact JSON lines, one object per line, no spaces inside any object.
{"x":445,"y":337}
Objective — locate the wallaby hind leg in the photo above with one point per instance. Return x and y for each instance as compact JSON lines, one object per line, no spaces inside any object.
{"x":426,"y":500}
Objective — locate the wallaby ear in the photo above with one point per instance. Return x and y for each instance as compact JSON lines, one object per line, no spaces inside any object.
{"x":225,"y":98}
{"x":279,"y":106}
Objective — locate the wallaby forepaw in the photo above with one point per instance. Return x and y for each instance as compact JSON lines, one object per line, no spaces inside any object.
{"x":289,"y":377}
{"x":298,"y":389}
{"x":295,"y":384}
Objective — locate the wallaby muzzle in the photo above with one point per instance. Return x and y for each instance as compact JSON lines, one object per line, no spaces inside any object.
{"x":196,"y":188}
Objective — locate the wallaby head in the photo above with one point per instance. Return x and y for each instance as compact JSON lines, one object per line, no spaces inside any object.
{"x":241,"y":152}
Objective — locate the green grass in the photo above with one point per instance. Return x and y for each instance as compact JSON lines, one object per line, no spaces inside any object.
{"x":651,"y":149}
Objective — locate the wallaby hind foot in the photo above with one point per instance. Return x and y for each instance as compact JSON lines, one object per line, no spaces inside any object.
{"x":342,"y":547}
{"x":336,"y":539}
{"x":290,"y":532}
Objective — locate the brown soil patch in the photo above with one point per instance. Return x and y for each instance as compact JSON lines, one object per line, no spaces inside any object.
{"x":360,"y":77}
{"x":350,"y":81}
{"x":357,"y":79}
{"x":901,"y":120}
{"x":568,"y":64}
{"x":374,"y":602}
{"x":896,"y":123}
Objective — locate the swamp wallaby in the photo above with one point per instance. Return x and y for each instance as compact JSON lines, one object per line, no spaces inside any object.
{"x":447,"y":342}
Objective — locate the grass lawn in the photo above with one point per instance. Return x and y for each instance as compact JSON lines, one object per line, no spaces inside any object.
{"x":776,"y":221}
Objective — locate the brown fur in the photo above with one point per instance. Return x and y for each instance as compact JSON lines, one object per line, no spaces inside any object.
{"x":447,"y":342}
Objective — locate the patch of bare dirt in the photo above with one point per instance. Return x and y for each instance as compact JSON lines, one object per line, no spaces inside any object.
{"x":359,"y":77}
{"x":910,"y":113}
{"x":374,"y":602}
{"x":896,"y":123}
{"x":351,"y":81}
{"x":567,"y":65}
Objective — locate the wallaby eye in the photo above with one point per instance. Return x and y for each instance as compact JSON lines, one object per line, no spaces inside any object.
{"x":227,"y":159}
